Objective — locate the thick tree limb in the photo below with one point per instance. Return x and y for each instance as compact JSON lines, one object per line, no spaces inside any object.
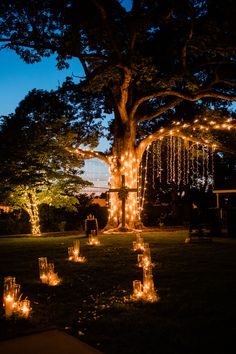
{"x":202,"y":94}
{"x":180,"y":131}
{"x":124,"y":94}
{"x":89,"y":154}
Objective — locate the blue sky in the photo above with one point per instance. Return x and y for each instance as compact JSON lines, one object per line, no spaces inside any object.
{"x":17,"y":78}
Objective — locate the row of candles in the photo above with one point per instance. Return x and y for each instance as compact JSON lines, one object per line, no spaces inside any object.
{"x":12,"y":298}
{"x":144,"y":290}
{"x":46,"y":270}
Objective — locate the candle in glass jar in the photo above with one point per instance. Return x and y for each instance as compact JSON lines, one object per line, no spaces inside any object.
{"x":24,"y":308}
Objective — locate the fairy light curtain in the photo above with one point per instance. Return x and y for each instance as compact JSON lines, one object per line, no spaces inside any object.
{"x":175,"y":161}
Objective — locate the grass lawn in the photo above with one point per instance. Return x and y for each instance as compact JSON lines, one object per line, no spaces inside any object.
{"x":196,"y":283}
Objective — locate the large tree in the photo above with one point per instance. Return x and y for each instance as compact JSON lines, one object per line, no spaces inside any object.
{"x":35,"y":167}
{"x":158,"y":62}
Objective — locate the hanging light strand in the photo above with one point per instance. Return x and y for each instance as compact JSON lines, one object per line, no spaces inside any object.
{"x":159,"y":159}
{"x":179,"y":161}
{"x":154,"y":148}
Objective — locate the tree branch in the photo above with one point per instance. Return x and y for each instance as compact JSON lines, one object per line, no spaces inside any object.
{"x":89,"y":154}
{"x":160,"y":110}
{"x":202,"y":94}
{"x":179,"y":130}
{"x":109,"y":31}
{"x":124,"y":94}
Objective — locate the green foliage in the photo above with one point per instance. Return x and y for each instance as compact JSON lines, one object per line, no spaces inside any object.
{"x":35,"y":163}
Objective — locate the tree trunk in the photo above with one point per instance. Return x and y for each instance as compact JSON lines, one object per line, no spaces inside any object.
{"x":31,"y":207}
{"x":124,"y":162}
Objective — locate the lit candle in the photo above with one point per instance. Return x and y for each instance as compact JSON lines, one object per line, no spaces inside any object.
{"x":8,"y":295}
{"x":53,"y":279}
{"x":140,"y":260}
{"x":138,"y":288}
{"x":71,"y":253}
{"x":43,"y":269}
{"x":9,"y":305}
{"x":81,"y":259}
{"x":76,"y":247}
{"x":93,"y":240}
{"x":24,"y":308}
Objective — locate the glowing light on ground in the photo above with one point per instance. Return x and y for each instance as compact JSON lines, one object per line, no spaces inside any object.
{"x":46,"y":272}
{"x":74,"y":253}
{"x":145,"y":291}
{"x":93,"y":240}
{"x":12,"y":300}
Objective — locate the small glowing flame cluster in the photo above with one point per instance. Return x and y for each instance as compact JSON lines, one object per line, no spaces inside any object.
{"x":46,"y":272}
{"x":74,"y":253}
{"x":12,"y":302}
{"x":138,"y":245}
{"x":93,"y":239}
{"x":146,"y":290}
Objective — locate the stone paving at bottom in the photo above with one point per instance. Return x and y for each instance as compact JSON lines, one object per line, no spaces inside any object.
{"x":47,"y":342}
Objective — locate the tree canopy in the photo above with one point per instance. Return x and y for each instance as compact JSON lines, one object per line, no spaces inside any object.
{"x":35,"y":166}
{"x":141,"y":63}
{"x":160,"y":61}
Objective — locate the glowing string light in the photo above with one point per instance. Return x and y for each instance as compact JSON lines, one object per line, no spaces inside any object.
{"x":179,"y":161}
{"x":154,"y":147}
{"x":173,"y":158}
{"x":159,"y":160}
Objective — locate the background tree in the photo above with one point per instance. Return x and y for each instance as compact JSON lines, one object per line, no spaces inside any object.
{"x":35,"y":167}
{"x":142,"y":66}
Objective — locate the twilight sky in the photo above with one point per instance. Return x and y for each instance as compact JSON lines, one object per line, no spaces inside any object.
{"x":17,"y":78}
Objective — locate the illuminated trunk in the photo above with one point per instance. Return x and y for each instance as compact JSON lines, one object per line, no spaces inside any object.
{"x":124,"y":162}
{"x":32,"y":208}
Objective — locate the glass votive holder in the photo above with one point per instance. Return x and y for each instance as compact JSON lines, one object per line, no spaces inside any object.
{"x":9,"y":284}
{"x":24,"y":308}
{"x":17,"y":288}
{"x":137,"y":288}
{"x":71,"y":253}
{"x":43,"y":267}
{"x":76,"y":245}
{"x":140,"y":260}
{"x":50,"y":268}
